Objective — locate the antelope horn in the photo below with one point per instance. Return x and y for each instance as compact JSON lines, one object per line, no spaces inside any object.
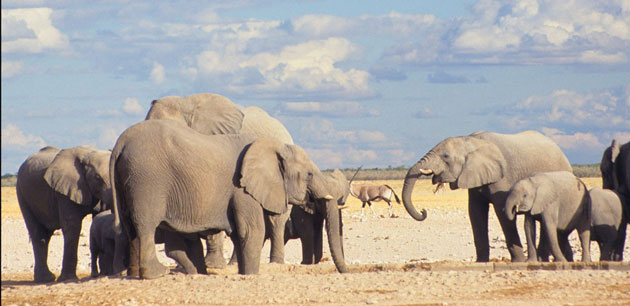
{"x":355,"y":174}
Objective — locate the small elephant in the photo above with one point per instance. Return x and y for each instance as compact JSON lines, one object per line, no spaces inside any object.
{"x":57,"y":189}
{"x":103,"y":241}
{"x":185,"y":249}
{"x":307,"y":222}
{"x":164,"y":174}
{"x":561,"y":202}
{"x":487,"y":164}
{"x":608,"y":224}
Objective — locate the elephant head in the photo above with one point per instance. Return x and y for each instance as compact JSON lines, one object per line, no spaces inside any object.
{"x":82,"y":174}
{"x":277,"y":174}
{"x":208,"y":114}
{"x":608,"y":166}
{"x":462,"y":162}
{"x":523,"y":197}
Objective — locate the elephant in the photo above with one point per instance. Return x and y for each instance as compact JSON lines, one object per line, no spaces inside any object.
{"x":166,"y":175}
{"x":56,"y":189}
{"x":307,"y":222}
{"x":608,"y":225}
{"x":103,"y":244}
{"x":615,"y":168}
{"x":487,"y":164}
{"x":214,"y":114}
{"x":561,"y":202}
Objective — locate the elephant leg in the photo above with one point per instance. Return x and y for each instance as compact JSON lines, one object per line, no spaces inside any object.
{"x":478,"y":208}
{"x":277,"y":223}
{"x":94,"y":254}
{"x":214,"y":251}
{"x":250,"y":232}
{"x":175,"y":246}
{"x":620,"y":242}
{"x":194,"y":251}
{"x":584,"y":232}
{"x":149,"y":265}
{"x":512,"y":238}
{"x":318,"y":238}
{"x":71,"y":217}
{"x":40,"y":239}
{"x":307,"y":237}
{"x":552,"y":238}
{"x":565,"y":246}
{"x":530,"y":235}
{"x":543,"y":246}
{"x":605,"y":250}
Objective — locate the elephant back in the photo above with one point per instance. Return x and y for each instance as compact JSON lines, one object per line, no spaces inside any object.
{"x":258,"y":123}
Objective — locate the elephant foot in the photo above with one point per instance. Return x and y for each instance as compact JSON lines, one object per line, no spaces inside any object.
{"x":67,"y":277}
{"x":154,"y":271}
{"x":133,"y":272}
{"x":215,"y":262}
{"x":44,"y":277}
{"x":277,"y":260}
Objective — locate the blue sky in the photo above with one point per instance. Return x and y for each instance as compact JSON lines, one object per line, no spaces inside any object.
{"x":373,"y":83}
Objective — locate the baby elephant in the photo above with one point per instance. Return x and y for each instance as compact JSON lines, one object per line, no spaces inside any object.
{"x":608,"y":225}
{"x":102,"y":243}
{"x":561,"y":202}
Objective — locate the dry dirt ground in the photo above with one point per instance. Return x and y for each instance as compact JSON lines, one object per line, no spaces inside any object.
{"x":393,"y":261}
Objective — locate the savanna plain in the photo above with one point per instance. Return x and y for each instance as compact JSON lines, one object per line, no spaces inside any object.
{"x":393,"y":261}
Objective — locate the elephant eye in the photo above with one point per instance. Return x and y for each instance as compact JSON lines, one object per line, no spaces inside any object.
{"x":445,"y":155}
{"x":525,"y":195}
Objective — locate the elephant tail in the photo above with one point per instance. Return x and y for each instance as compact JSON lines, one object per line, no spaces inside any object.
{"x":394,"y":192}
{"x":112,"y":180}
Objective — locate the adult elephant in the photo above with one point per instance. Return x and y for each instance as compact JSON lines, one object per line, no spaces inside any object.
{"x":615,"y":168}
{"x":487,"y":164}
{"x":163,"y":174}
{"x":214,"y":114}
{"x":56,"y":189}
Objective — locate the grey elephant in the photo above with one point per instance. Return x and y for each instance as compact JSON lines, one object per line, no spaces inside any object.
{"x":165,"y":175}
{"x":487,"y":164}
{"x":608,"y":225}
{"x":561,"y":202}
{"x":56,"y":189}
{"x":307,"y":222}
{"x":103,"y":244}
{"x":214,"y":114}
{"x":615,"y":168}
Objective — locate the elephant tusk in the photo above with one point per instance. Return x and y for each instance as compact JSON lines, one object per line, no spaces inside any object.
{"x":328,"y":197}
{"x":439,"y":187}
{"x":517,"y":205}
{"x":426,"y":171}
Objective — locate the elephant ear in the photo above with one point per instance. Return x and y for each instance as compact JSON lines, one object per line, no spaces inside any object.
{"x":262,"y":173}
{"x":166,"y":108}
{"x":213,"y":114}
{"x":541,"y":197}
{"x":66,"y":175}
{"x":484,"y":165}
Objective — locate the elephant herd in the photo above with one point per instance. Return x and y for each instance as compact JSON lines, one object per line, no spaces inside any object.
{"x":199,"y":166}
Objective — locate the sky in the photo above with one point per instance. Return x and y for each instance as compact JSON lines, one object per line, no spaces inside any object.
{"x":370,"y":82}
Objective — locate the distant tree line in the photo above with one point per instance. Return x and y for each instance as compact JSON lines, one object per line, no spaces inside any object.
{"x":381,"y":174}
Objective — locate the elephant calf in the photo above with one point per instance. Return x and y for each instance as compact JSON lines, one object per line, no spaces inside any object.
{"x":561,"y":202}
{"x":103,"y":243}
{"x":608,"y":225}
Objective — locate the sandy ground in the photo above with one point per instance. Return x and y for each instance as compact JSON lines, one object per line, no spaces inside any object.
{"x":386,"y":256}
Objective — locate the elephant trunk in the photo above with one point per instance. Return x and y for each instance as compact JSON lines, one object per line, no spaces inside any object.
{"x":511,"y":208}
{"x":410,"y":180}
{"x":333,"y":229}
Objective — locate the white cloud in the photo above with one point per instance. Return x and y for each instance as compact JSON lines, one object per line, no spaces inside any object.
{"x":108,"y":136}
{"x":131,"y":106}
{"x":11,"y":68}
{"x":157,"y":73}
{"x":586,"y":141}
{"x":30,"y":30}
{"x":333,"y":109}
{"x":328,"y":158}
{"x":14,"y":138}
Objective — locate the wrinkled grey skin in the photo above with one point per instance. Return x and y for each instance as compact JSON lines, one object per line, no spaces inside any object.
{"x":165,"y":175}
{"x":185,"y":249}
{"x":615,"y":167}
{"x":561,"y":202}
{"x":307,"y":222}
{"x":56,"y":189}
{"x":103,"y":243}
{"x":213,"y":114}
{"x":608,"y":225}
{"x":487,"y":164}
